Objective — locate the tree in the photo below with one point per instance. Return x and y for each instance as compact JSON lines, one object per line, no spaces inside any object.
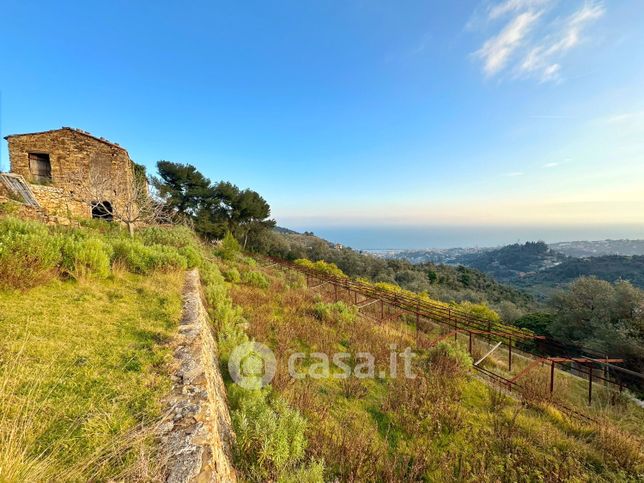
{"x":182,"y":187}
{"x":608,"y":318}
{"x":537,"y":322}
{"x":213,"y":209}
{"x":134,"y":205}
{"x":242,"y":211}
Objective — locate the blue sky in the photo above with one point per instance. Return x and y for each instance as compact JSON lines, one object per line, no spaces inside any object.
{"x":354,"y":112}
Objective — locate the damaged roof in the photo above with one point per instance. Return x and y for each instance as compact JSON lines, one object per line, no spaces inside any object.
{"x":72,"y":129}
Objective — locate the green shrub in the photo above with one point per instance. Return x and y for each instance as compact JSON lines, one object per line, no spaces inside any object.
{"x":210,"y":274}
{"x":133,"y":255}
{"x":10,"y":207}
{"x":321,"y":266}
{"x":229,"y":248}
{"x":103,"y":227}
{"x":166,"y":258}
{"x":175,"y":236}
{"x":334,"y":312}
{"x":251,"y":262}
{"x":255,"y":279}
{"x":450,"y":360}
{"x":481,"y":310}
{"x":232,"y":275}
{"x":225,"y":315}
{"x":139,"y":258}
{"x":84,"y":257}
{"x":192,"y":255}
{"x":294,"y":279}
{"x":313,"y":473}
{"x":29,"y":254}
{"x":270,"y":435}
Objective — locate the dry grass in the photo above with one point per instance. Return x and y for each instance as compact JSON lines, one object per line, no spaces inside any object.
{"x":440,"y":426}
{"x":82,"y":376}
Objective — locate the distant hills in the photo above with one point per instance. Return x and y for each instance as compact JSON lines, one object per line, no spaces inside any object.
{"x":514,"y":261}
{"x":599,"y":248}
{"x":539,"y":267}
{"x":444,"y":282}
{"x":607,"y":267}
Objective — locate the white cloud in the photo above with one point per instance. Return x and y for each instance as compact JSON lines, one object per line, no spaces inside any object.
{"x":503,"y":8}
{"x":531,"y":39}
{"x":497,"y":50}
{"x":539,"y":60}
{"x":551,"y":165}
{"x":624,"y":117}
{"x":513,"y":174}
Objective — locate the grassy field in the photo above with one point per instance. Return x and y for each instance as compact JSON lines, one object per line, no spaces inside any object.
{"x":82,"y":376}
{"x":86,"y":315}
{"x":444,"y":425}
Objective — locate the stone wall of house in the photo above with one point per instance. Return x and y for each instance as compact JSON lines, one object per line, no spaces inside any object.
{"x":57,"y":202}
{"x":78,"y":160}
{"x":198,"y":441}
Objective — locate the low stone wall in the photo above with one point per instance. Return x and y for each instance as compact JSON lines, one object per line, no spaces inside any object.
{"x":198,"y":441}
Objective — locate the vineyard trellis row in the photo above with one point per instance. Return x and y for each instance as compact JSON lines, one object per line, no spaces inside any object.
{"x":459,"y":321}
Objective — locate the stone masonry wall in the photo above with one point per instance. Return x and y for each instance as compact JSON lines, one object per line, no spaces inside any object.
{"x":198,"y":442}
{"x":75,"y":157}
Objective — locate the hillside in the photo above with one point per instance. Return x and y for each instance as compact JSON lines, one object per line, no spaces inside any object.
{"x":513,"y":261}
{"x":581,"y":249}
{"x":90,"y":307}
{"x":442,"y":425}
{"x":610,"y":268}
{"x":444,"y":282}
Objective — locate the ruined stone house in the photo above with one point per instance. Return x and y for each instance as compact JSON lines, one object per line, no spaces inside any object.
{"x":70,"y":173}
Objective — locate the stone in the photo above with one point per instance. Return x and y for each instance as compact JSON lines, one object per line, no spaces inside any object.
{"x":75,"y":157}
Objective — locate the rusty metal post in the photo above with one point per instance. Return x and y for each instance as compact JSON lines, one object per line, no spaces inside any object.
{"x":590,"y":385}
{"x":382,"y":310}
{"x":470,"y":343}
{"x":509,"y":354}
{"x":552,"y":377}
{"x":335,"y":287}
{"x":455,"y":330}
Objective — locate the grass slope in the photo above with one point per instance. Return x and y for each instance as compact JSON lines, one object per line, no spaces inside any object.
{"x":81,"y":369}
{"x":444,"y":425}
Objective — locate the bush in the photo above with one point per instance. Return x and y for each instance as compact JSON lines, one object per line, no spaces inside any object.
{"x":321,"y":266}
{"x":192,"y":255}
{"x":134,"y":256}
{"x":173,"y":236}
{"x":232,"y":275}
{"x":29,"y":254}
{"x":313,"y":473}
{"x":139,"y":258}
{"x":270,"y":435}
{"x":480,"y":310}
{"x":103,"y":227}
{"x":10,"y":207}
{"x":449,"y":360}
{"x":210,"y":274}
{"x":84,"y":257}
{"x":255,"y":279}
{"x":334,"y":312}
{"x":228,"y":319}
{"x":229,"y":248}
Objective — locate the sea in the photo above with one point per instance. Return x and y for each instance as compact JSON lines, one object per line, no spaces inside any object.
{"x":442,"y":236}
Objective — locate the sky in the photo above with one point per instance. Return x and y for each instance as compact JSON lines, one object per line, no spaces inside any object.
{"x":354,"y":113}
